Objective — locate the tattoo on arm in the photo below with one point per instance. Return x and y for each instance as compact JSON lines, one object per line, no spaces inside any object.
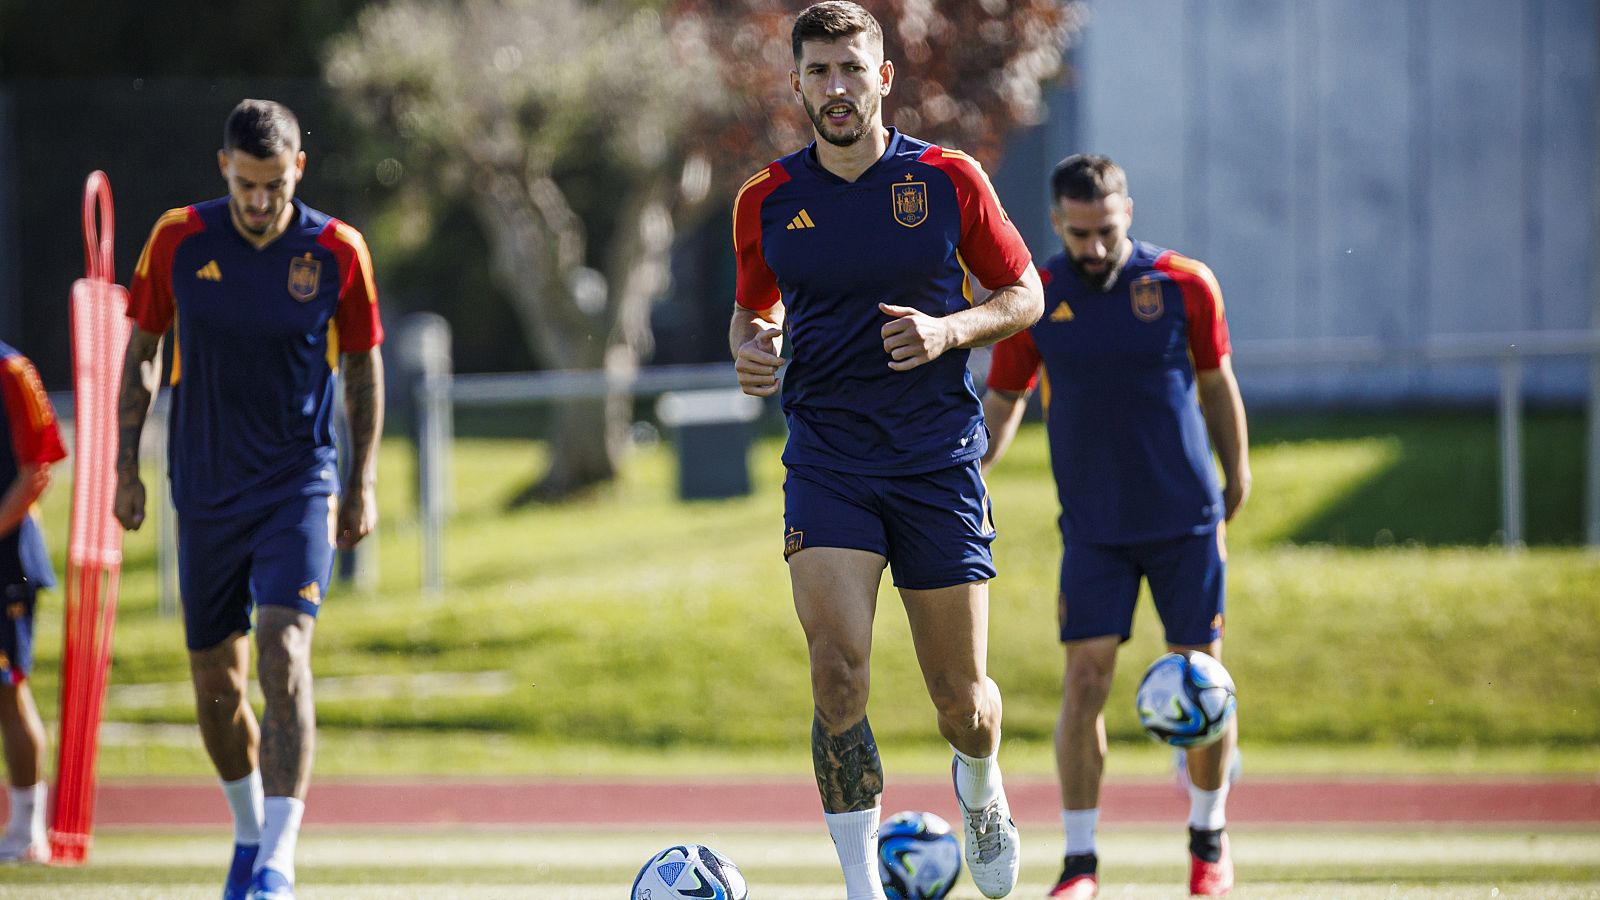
{"x":141,"y":370}
{"x":849,"y":771}
{"x":363,"y":404}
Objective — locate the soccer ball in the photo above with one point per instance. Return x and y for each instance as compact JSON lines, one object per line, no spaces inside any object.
{"x":689,"y":871}
{"x":1186,"y":699}
{"x":918,"y":857}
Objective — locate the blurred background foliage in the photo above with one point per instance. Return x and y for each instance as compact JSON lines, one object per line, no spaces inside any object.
{"x":553,"y":177}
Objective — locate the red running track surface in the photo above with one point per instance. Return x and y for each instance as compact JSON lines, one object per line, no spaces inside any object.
{"x":643,"y":802}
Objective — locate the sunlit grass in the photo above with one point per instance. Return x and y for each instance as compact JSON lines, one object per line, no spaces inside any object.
{"x":633,"y":621}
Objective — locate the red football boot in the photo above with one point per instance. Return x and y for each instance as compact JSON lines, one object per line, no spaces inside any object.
{"x":1207,"y":878}
{"x":1079,"y":879}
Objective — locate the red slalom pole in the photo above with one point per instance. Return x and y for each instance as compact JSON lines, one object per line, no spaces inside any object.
{"x":100,"y":330}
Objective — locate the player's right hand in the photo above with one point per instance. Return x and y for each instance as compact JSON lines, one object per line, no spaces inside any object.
{"x":758,"y":363}
{"x":128,"y":504}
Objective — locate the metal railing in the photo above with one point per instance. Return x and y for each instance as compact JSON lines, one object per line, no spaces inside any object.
{"x":437,"y":393}
{"x":1511,"y":351}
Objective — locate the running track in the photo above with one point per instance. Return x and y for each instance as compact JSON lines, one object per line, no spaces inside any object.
{"x":1572,"y":802}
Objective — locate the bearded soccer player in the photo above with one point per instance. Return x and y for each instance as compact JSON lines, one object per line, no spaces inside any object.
{"x":1138,"y":375}
{"x":31,"y":444}
{"x":858,"y":249}
{"x":274,"y":306}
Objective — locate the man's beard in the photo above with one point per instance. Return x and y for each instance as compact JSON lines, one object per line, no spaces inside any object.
{"x":821,"y":124}
{"x":239,"y":216}
{"x":1098,"y":281}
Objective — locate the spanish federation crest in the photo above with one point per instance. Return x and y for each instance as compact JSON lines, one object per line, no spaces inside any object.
{"x":910,"y":202}
{"x":305,"y":277}
{"x":1147,"y":303}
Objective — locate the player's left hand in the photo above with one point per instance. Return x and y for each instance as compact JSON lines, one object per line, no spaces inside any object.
{"x":1234,"y":495}
{"x":913,"y":338}
{"x":358,"y":515}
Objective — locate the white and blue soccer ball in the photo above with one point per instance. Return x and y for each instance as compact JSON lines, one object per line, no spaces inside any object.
{"x":689,"y":872}
{"x":1186,"y":699}
{"x":918,"y":857}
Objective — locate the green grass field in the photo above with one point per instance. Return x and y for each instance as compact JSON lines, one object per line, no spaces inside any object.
{"x":653,"y":629}
{"x":1374,"y":628}
{"x":783,"y":864}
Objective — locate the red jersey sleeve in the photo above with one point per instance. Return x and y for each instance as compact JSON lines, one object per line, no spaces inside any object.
{"x":1202,"y":300}
{"x":150,"y":300}
{"x":991,"y":246}
{"x":1014,"y":363}
{"x":756,"y":287}
{"x":35,"y":440}
{"x":360,"y":328}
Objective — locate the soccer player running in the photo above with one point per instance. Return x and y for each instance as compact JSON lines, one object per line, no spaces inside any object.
{"x":32,"y":444}
{"x":857,"y":247}
{"x":266,"y":294}
{"x":1135,"y":352}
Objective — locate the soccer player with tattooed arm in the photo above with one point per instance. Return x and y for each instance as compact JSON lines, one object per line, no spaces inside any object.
{"x":857,"y":250}
{"x":273,"y":307}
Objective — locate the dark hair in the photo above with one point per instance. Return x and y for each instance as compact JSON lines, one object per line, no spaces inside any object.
{"x":1086,"y":176}
{"x":261,"y":128}
{"x":832,"y":20}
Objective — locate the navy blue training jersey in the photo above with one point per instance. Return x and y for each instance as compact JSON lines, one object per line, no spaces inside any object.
{"x":28,"y":424}
{"x":1128,"y":442}
{"x":258,"y":333}
{"x":910,"y":231}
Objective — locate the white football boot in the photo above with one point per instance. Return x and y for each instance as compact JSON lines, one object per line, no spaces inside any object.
{"x":992,"y":843}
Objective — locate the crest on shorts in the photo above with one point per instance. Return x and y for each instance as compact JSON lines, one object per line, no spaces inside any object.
{"x":305,"y":277}
{"x":910,"y":202}
{"x":312,"y":594}
{"x":1147,"y":303}
{"x":793,"y":541}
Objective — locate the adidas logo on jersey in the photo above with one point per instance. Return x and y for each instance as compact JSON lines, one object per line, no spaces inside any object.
{"x":803,"y":220}
{"x":209,"y":272}
{"x":1062,"y":313}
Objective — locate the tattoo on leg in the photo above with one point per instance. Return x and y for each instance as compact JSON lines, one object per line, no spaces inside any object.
{"x":849,"y":772}
{"x":289,"y":724}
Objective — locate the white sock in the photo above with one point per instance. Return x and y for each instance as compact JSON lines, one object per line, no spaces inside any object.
{"x":27,"y":812}
{"x":855,"y":839}
{"x":279,"y":831}
{"x":245,"y":802}
{"x":977,"y":778}
{"x":1208,"y":810}
{"x":1080,"y":825}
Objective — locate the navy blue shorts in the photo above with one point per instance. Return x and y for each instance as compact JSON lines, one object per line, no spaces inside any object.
{"x":16,"y":633}
{"x":934,"y":529}
{"x":1100,"y":585}
{"x":279,"y":556}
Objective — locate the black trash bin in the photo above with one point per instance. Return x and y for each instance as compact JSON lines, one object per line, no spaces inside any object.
{"x":712,"y":430}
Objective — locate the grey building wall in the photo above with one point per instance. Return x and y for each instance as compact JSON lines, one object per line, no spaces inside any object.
{"x":1396,"y":170}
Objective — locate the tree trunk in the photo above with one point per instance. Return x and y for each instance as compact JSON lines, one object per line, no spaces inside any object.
{"x":578,"y":318}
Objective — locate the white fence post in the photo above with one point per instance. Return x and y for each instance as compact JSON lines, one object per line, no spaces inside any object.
{"x":1510,"y":416}
{"x":426,"y":360}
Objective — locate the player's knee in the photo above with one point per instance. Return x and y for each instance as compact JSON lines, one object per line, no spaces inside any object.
{"x":1087,"y":687}
{"x":217,"y":674}
{"x":218,"y":691}
{"x":283,"y":640}
{"x":960,"y":701}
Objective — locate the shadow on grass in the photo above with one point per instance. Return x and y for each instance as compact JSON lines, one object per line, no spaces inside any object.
{"x":1443,"y":487}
